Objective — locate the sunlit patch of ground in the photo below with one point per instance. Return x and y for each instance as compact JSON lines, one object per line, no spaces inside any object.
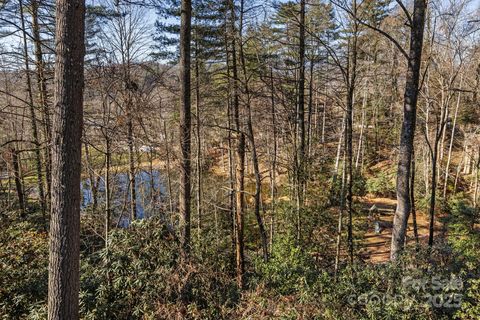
{"x":375,"y":247}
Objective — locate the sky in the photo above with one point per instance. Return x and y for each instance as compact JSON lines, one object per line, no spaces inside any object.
{"x":13,"y":41}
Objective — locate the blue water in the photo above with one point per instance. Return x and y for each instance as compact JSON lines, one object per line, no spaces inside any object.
{"x":147,"y":202}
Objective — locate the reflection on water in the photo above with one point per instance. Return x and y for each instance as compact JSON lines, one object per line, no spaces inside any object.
{"x":150,"y":189}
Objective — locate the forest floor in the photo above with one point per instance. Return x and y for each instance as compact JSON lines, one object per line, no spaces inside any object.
{"x":375,"y":247}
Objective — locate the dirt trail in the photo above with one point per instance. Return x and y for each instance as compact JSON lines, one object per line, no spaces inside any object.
{"x":375,"y":247}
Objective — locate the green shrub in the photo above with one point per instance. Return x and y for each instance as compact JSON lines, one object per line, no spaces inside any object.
{"x":289,"y":270}
{"x":462,"y":237}
{"x":359,"y":187}
{"x":388,"y":291}
{"x":23,"y":268}
{"x":471,"y":304}
{"x":382,"y":184}
{"x":142,"y":277}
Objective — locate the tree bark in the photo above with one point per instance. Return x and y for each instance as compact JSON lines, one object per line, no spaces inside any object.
{"x":239,"y":157}
{"x":33,"y":119}
{"x":408,"y":129}
{"x":324,"y":116}
{"x":362,"y":128}
{"x":300,"y":152}
{"x":434,"y":153}
{"x":199,"y":142}
{"x":231,"y":164}
{"x":63,"y":282}
{"x":412,"y":199}
{"x":351,"y":83}
{"x":309,"y":118}
{"x":433,"y":195}
{"x":169,"y":174}
{"x":251,"y":136}
{"x":131,"y":162}
{"x":91,"y":176}
{"x":107,"y":189}
{"x":340,"y":221}
{"x":475,"y":191}
{"x":42,"y":94}
{"x":17,"y":177}
{"x":185,"y":125}
{"x":450,"y":147}
{"x":273,"y":174}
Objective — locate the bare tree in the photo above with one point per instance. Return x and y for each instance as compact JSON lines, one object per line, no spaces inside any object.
{"x":300,"y":124}
{"x":185,"y":123}
{"x":407,"y":134}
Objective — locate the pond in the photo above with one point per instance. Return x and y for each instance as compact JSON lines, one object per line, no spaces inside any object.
{"x":150,"y":193}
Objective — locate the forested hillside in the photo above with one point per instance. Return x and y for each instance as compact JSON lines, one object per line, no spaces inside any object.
{"x":239,"y":159}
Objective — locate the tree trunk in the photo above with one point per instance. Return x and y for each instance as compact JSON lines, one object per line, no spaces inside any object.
{"x":42,"y":94}
{"x":450,"y":147}
{"x":341,"y":142}
{"x":341,"y":139}
{"x":475,"y":191}
{"x":258,"y":188}
{"x":300,"y":152}
{"x":459,"y":169}
{"x":434,"y":152}
{"x":131,"y":163}
{"x":239,"y":157}
{"x":433,"y":194}
{"x":152,"y":188}
{"x":231,"y":175}
{"x":324,"y":114}
{"x":309,"y":118}
{"x":91,"y":176}
{"x":199,"y":142}
{"x":63,"y":282}
{"x":408,"y":130}
{"x":340,"y":221}
{"x":185,"y":125}
{"x":33,"y":120}
{"x":108,"y":218}
{"x":273,"y":174}
{"x":412,"y":199}
{"x":169,"y":174}
{"x":426,"y":168}
{"x":360,"y":138}
{"x":107,"y":190}
{"x":17,"y":177}
{"x":251,"y":135}
{"x":231,"y":164}
{"x":351,"y":78}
